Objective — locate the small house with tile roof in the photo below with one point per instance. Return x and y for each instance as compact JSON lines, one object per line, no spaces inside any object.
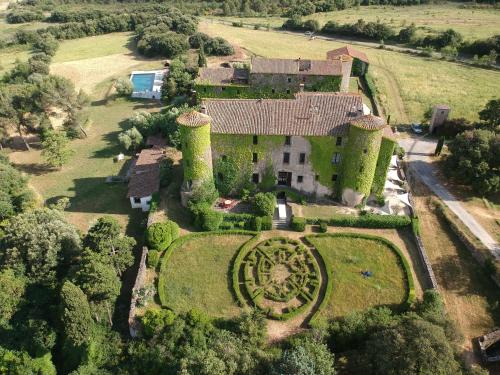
{"x":360,"y":60}
{"x":322,"y":144}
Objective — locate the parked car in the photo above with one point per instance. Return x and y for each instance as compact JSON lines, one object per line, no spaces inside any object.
{"x":417,"y":128}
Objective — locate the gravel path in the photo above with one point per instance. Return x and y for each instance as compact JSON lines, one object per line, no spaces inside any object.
{"x":419,"y":150}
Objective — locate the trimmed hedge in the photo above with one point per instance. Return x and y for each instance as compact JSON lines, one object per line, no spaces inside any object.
{"x":267,"y":222}
{"x":153,"y":258}
{"x":323,"y":227}
{"x":410,"y":298}
{"x":365,"y":221}
{"x":298,"y":224}
{"x":181,"y":241}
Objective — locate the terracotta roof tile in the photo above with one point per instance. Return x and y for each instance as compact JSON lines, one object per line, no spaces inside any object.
{"x":222,"y":76}
{"x":193,"y":119}
{"x":309,"y":114}
{"x":296,"y":66}
{"x":349,"y":51}
{"x":145,"y":176}
{"x":369,"y":122}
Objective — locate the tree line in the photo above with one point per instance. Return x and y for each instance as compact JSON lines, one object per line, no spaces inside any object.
{"x":449,"y":42}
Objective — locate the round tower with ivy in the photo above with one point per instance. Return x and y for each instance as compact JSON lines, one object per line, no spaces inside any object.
{"x":194,"y":129}
{"x":360,"y":158}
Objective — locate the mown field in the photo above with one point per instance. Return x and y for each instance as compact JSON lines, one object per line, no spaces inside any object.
{"x":347,"y":258}
{"x":197,"y":275}
{"x":471,"y":23}
{"x":82,"y":180}
{"x":408,"y":85}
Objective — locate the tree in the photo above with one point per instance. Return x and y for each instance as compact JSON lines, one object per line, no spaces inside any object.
{"x":75,"y":315}
{"x":47,"y":44}
{"x":12,"y":289}
{"x":41,"y":243}
{"x":414,"y":346}
{"x":491,"y":114}
{"x":97,"y":279}
{"x":473,"y":160}
{"x":105,"y":237}
{"x":159,"y":236}
{"x":307,"y":357}
{"x":202,"y":60}
{"x":124,"y":87}
{"x":131,"y":139}
{"x":55,"y":149}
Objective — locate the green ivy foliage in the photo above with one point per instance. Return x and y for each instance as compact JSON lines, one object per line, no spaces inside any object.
{"x":360,"y":159}
{"x":327,"y":84}
{"x":206,"y":90}
{"x":322,"y":150}
{"x":226,"y":176}
{"x":196,"y":159}
{"x":383,"y":162}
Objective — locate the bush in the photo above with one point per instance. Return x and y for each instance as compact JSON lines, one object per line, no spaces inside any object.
{"x":210,"y":220}
{"x":155,"y":320}
{"x":323,"y":226}
{"x":267,"y":223}
{"x":124,"y":87}
{"x":298,"y":224}
{"x":218,"y":47}
{"x":159,"y":236}
{"x":153,"y":258}
{"x":400,"y":152}
{"x":264,"y":204}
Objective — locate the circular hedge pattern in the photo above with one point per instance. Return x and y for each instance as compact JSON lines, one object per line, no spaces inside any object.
{"x":280,"y":277}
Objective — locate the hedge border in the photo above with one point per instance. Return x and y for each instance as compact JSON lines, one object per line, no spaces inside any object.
{"x":181,"y":241}
{"x":350,"y":221}
{"x":410,"y":292}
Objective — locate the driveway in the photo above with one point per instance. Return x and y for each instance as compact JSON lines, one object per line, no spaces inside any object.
{"x":419,"y":150}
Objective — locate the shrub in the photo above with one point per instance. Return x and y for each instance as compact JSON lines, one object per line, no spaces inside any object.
{"x":257,"y":223}
{"x":218,"y":47}
{"x":160,"y":235}
{"x":210,"y":220}
{"x":124,"y":87}
{"x":323,"y":226}
{"x":153,"y":258}
{"x":400,"y":152}
{"x":155,"y":320}
{"x":265,"y":204}
{"x":226,"y":226}
{"x":298,"y":224}
{"x":267,"y":223}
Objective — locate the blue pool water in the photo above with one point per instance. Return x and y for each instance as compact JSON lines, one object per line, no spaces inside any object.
{"x":143,"y":82}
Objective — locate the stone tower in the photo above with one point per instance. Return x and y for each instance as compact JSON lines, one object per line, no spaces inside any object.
{"x":194,"y":128}
{"x":360,"y":158}
{"x":440,"y":114}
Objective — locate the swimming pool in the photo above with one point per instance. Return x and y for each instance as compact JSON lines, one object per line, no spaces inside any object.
{"x":143,"y":81}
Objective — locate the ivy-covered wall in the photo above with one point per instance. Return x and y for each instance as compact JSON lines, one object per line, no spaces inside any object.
{"x":322,"y":150}
{"x":360,"y":159}
{"x":239,"y":92}
{"x":196,"y":153}
{"x":383,"y":163}
{"x":327,"y":84}
{"x":359,"y":67}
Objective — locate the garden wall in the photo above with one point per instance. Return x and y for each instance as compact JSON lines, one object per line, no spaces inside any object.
{"x":139,"y":282}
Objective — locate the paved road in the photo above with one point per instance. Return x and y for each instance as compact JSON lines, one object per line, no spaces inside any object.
{"x":418,"y":150}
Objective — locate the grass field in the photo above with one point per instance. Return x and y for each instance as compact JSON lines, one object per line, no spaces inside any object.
{"x":82,"y":179}
{"x":471,"y":23}
{"x":347,"y":257}
{"x":197,"y":275}
{"x":408,"y":84}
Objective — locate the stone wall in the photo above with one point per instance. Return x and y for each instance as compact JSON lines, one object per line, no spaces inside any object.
{"x":139,"y":283}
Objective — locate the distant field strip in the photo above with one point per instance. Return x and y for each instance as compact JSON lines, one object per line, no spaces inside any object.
{"x":420,"y":82}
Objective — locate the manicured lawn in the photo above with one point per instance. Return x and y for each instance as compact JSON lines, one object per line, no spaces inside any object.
{"x":408,"y":84}
{"x":471,"y":23}
{"x":82,"y":179}
{"x":347,"y":257}
{"x":198,"y":275}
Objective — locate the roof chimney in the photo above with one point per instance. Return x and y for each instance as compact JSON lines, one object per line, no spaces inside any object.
{"x":203,"y":109}
{"x":301,"y":87}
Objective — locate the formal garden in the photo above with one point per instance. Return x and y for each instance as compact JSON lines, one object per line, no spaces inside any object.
{"x":314,"y":278}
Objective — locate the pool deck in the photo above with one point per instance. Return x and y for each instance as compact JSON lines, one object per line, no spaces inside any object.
{"x":155,"y":92}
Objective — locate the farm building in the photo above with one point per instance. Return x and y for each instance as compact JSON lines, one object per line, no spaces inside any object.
{"x":275,"y":78}
{"x":322,"y":144}
{"x":360,"y":60}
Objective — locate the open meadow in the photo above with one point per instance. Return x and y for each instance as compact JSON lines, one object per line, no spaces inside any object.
{"x":408,"y":85}
{"x":471,"y":23}
{"x":348,"y":257}
{"x":197,"y":275}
